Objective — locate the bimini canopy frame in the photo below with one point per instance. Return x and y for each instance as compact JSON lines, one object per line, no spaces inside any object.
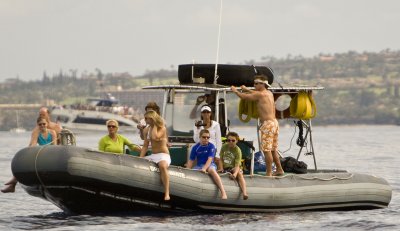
{"x":222,"y":89}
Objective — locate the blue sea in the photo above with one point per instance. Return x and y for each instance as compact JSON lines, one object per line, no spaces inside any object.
{"x":373,"y":150}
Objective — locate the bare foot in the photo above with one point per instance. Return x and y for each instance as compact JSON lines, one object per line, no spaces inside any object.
{"x":245,"y":197}
{"x":167,"y":198}
{"x":278,"y":173}
{"x":12,"y":181}
{"x":224,"y":196}
{"x":9,"y":189}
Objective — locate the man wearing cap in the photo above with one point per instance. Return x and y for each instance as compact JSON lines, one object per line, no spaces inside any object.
{"x":269,"y":127}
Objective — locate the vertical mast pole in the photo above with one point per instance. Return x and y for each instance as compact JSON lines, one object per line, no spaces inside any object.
{"x":218,"y":40}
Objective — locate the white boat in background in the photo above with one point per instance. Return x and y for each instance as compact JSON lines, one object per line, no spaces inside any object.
{"x":17,"y":129}
{"x":93,"y":116}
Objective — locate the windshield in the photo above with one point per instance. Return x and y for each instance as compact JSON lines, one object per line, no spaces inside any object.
{"x":181,"y":113}
{"x":178,"y":113}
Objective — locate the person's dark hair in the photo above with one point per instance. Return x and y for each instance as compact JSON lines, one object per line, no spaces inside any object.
{"x":212,"y":114}
{"x":203,"y":131}
{"x":234,"y":134}
{"x":47,"y":118}
{"x":153,"y":105}
{"x":40,"y":118}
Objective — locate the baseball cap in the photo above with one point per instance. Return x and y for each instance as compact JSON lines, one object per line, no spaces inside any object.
{"x":206,"y":108}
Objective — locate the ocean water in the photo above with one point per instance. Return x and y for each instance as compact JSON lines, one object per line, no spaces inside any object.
{"x":373,"y":150}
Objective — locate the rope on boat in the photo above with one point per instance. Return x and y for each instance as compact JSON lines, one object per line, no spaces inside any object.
{"x":291,"y":140}
{"x":36,"y":158}
{"x":304,"y":178}
{"x":65,"y":136}
{"x":332,"y":178}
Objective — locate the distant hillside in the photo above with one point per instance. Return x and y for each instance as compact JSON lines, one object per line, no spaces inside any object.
{"x":360,"y":88}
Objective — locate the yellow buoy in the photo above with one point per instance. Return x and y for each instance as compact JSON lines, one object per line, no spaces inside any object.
{"x":302,"y":106}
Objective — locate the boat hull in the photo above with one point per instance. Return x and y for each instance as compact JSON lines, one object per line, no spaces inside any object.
{"x":81,"y":180}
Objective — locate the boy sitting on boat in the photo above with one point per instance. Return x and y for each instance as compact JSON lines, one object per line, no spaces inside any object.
{"x":204,"y":152}
{"x":231,"y":157}
{"x":45,"y":136}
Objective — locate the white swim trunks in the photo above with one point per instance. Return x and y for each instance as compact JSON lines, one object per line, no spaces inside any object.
{"x":159,"y":157}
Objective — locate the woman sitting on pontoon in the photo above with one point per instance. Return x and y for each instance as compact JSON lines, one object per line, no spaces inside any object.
{"x":45,"y":137}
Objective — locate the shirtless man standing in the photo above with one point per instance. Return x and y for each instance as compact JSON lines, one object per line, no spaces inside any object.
{"x":269,"y":127}
{"x":156,"y":134}
{"x":44,"y":112}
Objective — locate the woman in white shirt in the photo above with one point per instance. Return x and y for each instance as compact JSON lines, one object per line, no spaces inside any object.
{"x":213,"y":127}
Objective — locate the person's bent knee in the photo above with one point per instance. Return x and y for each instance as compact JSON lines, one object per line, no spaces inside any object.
{"x":163,"y":164}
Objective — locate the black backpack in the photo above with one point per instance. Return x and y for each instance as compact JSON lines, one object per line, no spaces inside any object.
{"x":290,"y":164}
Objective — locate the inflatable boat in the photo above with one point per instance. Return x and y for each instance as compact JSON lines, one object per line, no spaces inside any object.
{"x":81,"y":180}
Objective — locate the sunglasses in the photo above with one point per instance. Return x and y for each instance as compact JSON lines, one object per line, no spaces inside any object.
{"x":256,"y":83}
{"x":42,"y":124}
{"x":205,"y":137}
{"x":229,"y":140}
{"x":111,"y":126}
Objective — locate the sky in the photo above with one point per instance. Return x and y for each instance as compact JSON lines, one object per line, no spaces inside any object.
{"x":136,"y":36}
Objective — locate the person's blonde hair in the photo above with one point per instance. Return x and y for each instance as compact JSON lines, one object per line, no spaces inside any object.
{"x":158,"y":121}
{"x":114,"y":121}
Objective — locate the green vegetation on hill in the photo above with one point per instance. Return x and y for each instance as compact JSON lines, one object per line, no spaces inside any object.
{"x":360,"y":88}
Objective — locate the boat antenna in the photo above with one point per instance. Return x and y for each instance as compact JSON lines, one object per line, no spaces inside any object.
{"x":218,"y":40}
{"x":255,"y":70}
{"x":192,"y":69}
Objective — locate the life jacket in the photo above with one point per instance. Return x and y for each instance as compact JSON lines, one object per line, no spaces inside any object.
{"x":302,"y":106}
